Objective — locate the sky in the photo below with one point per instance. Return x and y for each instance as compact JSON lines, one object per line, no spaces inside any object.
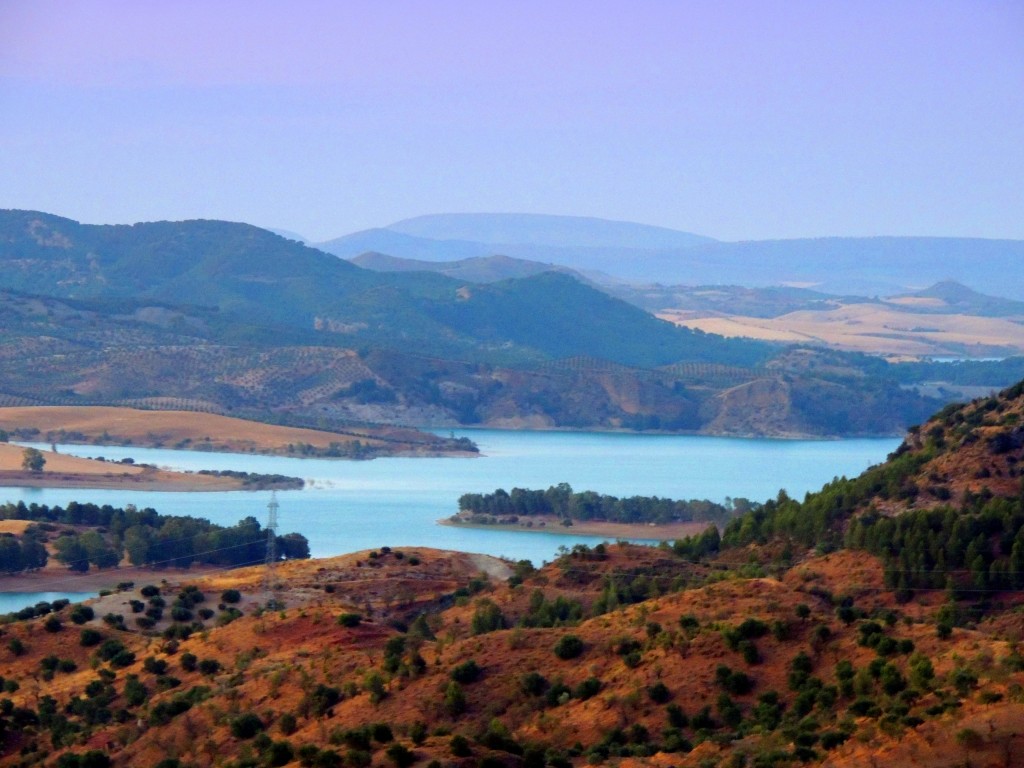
{"x":734,"y":119}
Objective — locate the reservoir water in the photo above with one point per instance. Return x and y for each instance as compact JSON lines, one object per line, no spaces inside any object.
{"x":351,"y":505}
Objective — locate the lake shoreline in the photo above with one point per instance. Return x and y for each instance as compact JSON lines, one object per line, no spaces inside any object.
{"x":348,"y":506}
{"x":654,"y":532}
{"x":157,"y":480}
{"x":191,"y":430}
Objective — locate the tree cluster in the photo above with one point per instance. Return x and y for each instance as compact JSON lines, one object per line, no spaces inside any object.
{"x":26,"y":554}
{"x":561,"y":501}
{"x":149,"y":538}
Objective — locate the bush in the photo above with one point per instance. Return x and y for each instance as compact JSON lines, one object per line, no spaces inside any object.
{"x":320,"y":700}
{"x":632,"y":659}
{"x":533,"y":684}
{"x":230,"y":596}
{"x":568,"y":647}
{"x":418,"y":732}
{"x":89,"y":638}
{"x":189,"y":662}
{"x":180,"y":613}
{"x":454,"y":699}
{"x":736,"y":683}
{"x":287,"y":724}
{"x":659,"y":693}
{"x":53,"y":624}
{"x":82,"y":613}
{"x":676,"y":716}
{"x":154,"y":665}
{"x":487,"y":617}
{"x":122,"y":659}
{"x":209,"y":667}
{"x":401,"y":755}
{"x":166,"y":682}
{"x":350,"y":619}
{"x":588,"y":688}
{"x":467,"y":672}
{"x":135,"y":692}
{"x":279,"y":753}
{"x":460,"y":746}
{"x":246,"y":726}
{"x":750,"y":653}
{"x":91,"y":759}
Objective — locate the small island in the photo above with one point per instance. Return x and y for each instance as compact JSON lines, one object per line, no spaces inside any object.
{"x":560,"y":509}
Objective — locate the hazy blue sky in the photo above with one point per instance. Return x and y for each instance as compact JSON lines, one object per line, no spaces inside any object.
{"x":737,"y":120}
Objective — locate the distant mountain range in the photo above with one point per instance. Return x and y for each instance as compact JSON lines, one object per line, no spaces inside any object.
{"x":265,"y":287}
{"x":869,"y":266}
{"x":975,"y":324}
{"x":227,"y":317}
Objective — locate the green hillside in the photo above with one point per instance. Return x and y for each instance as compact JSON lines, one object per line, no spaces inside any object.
{"x":256,"y":278}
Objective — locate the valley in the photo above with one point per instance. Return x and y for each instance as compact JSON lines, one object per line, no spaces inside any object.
{"x":511,"y":385}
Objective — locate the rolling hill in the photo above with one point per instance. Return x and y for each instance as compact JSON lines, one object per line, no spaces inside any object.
{"x":478,"y":269}
{"x":806,"y":633}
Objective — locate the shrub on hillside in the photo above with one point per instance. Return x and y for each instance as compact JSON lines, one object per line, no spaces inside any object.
{"x":568,"y":647}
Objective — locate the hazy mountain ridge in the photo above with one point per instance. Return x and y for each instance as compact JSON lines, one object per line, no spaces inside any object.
{"x":869,"y":266}
{"x":977,"y":325}
{"x":526,"y":229}
{"x":477,"y":269}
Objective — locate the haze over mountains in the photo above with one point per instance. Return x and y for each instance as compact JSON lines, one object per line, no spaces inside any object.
{"x":870,"y":266}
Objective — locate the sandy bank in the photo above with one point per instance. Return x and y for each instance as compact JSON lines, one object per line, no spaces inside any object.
{"x":63,"y":471}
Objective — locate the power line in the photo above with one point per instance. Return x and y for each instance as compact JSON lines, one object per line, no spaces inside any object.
{"x":270,"y":583}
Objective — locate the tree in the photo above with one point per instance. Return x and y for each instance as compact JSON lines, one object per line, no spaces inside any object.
{"x":10,"y":555}
{"x":98,"y":551}
{"x":71,"y":552}
{"x":32,"y":460}
{"x":293,"y":546}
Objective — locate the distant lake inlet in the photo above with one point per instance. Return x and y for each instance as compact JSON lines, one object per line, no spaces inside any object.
{"x":353,"y":505}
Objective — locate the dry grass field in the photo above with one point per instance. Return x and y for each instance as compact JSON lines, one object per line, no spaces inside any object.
{"x":72,"y":472}
{"x":873,"y":328}
{"x":184,"y":429}
{"x":56,"y":463}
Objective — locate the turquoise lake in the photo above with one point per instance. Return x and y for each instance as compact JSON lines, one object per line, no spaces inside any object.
{"x":350,"y":505}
